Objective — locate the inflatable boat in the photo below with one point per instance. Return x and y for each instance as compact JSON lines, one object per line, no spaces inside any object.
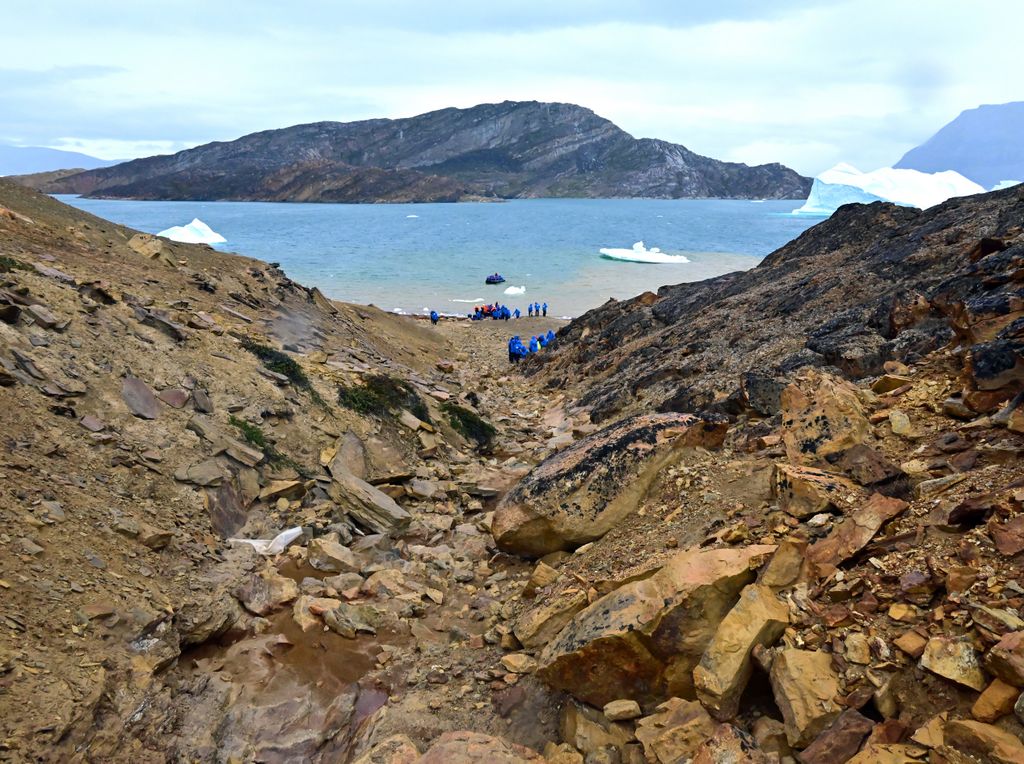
{"x":495,"y":278}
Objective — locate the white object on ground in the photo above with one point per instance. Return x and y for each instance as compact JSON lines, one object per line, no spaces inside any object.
{"x":640,"y":254}
{"x":516,"y":290}
{"x":272,"y":546}
{"x":196,"y":232}
{"x":844,"y":184}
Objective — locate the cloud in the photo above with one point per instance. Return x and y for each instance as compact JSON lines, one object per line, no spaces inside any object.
{"x":819,"y":82}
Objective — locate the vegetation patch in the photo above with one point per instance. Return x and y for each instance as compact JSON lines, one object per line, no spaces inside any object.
{"x":382,"y":395}
{"x":469,"y":424}
{"x":8,"y":264}
{"x":252,"y":434}
{"x":282,"y":363}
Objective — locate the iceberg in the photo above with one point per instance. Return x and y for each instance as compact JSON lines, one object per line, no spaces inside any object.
{"x":844,"y":184}
{"x":640,"y":254}
{"x":516,"y":290}
{"x":196,"y":232}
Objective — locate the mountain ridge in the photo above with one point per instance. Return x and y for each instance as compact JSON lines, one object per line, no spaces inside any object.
{"x":507,"y":150}
{"x":982,"y":144}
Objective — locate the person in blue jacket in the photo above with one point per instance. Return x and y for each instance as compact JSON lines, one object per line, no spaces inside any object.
{"x":551,"y":336}
{"x":544,"y":308}
{"x":434,"y":317}
{"x":542,"y":339}
{"x":517,"y":314}
{"x":529,"y":310}
{"x":534,"y":345}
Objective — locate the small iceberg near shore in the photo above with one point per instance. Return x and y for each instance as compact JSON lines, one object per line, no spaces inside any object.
{"x":515,"y":290}
{"x":845,"y":184}
{"x":196,"y":232}
{"x":640,"y":254}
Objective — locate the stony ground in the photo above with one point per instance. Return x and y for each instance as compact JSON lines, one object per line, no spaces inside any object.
{"x":479,"y":572}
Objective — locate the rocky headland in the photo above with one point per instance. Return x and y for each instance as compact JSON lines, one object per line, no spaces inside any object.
{"x":509,"y":150}
{"x":771,"y":517}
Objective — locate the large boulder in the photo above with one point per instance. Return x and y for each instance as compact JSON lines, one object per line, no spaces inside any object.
{"x":580,"y":493}
{"x":368,"y":506}
{"x":805,"y":688}
{"x":758,"y":618}
{"x":821,"y":415}
{"x":643,"y":640}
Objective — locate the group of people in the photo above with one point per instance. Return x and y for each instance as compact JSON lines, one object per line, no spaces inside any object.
{"x":499,"y":312}
{"x":496,"y":312}
{"x":518,"y":351}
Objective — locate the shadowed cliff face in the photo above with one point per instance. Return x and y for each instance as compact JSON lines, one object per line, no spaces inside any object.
{"x":872,"y":283}
{"x":506,"y":150}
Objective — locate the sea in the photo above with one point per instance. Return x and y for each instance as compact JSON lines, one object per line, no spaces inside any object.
{"x":414,"y":258}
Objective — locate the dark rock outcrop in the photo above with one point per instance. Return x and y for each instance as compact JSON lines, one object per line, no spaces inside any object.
{"x":506,"y":150}
{"x":873,"y":283}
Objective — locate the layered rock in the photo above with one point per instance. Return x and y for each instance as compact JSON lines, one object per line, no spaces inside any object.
{"x":643,"y":640}
{"x":583,"y":491}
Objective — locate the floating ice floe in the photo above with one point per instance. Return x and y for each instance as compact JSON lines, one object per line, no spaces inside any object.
{"x":272,"y":546}
{"x":515,"y":290}
{"x":196,"y":232}
{"x":844,"y":184}
{"x":475,"y":299}
{"x":412,"y":216}
{"x":640,"y":254}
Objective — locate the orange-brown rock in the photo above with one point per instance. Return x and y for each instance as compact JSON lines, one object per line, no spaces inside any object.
{"x":984,"y":742}
{"x":954,"y":658}
{"x":805,"y":689}
{"x":995,"y":701}
{"x":854,"y":532}
{"x":675,"y":731}
{"x":821,"y":415}
{"x":643,"y":640}
{"x":806,"y":491}
{"x":1006,"y":658}
{"x":583,"y":491}
{"x":758,"y":618}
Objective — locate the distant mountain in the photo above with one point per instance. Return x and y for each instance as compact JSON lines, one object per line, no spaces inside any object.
{"x":23,"y":160}
{"x":507,"y":150}
{"x":985,"y":144}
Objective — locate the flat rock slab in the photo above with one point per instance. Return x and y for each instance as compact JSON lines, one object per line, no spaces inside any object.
{"x":642,"y":641}
{"x":805,"y":689}
{"x":369,"y":507}
{"x":758,"y":618}
{"x":140,"y":399}
{"x":854,"y":532}
{"x":806,"y":491}
{"x":582,"y":492}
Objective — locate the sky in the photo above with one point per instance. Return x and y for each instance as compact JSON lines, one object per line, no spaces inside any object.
{"x":807,"y":84}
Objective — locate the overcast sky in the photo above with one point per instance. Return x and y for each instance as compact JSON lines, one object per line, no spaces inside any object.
{"x":804,"y":83}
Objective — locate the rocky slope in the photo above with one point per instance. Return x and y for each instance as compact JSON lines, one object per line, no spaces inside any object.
{"x":871,"y":284}
{"x":506,"y":150}
{"x":812,"y":570}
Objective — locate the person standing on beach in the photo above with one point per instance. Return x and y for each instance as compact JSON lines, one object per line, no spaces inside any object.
{"x":434,"y":317}
{"x":529,"y":309}
{"x":517,"y":313}
{"x":544,"y":308}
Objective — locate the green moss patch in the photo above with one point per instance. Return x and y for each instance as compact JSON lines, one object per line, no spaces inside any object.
{"x":381,"y":395}
{"x":469,"y":424}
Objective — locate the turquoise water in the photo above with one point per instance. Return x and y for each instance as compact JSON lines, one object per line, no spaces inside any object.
{"x":435,"y":256}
